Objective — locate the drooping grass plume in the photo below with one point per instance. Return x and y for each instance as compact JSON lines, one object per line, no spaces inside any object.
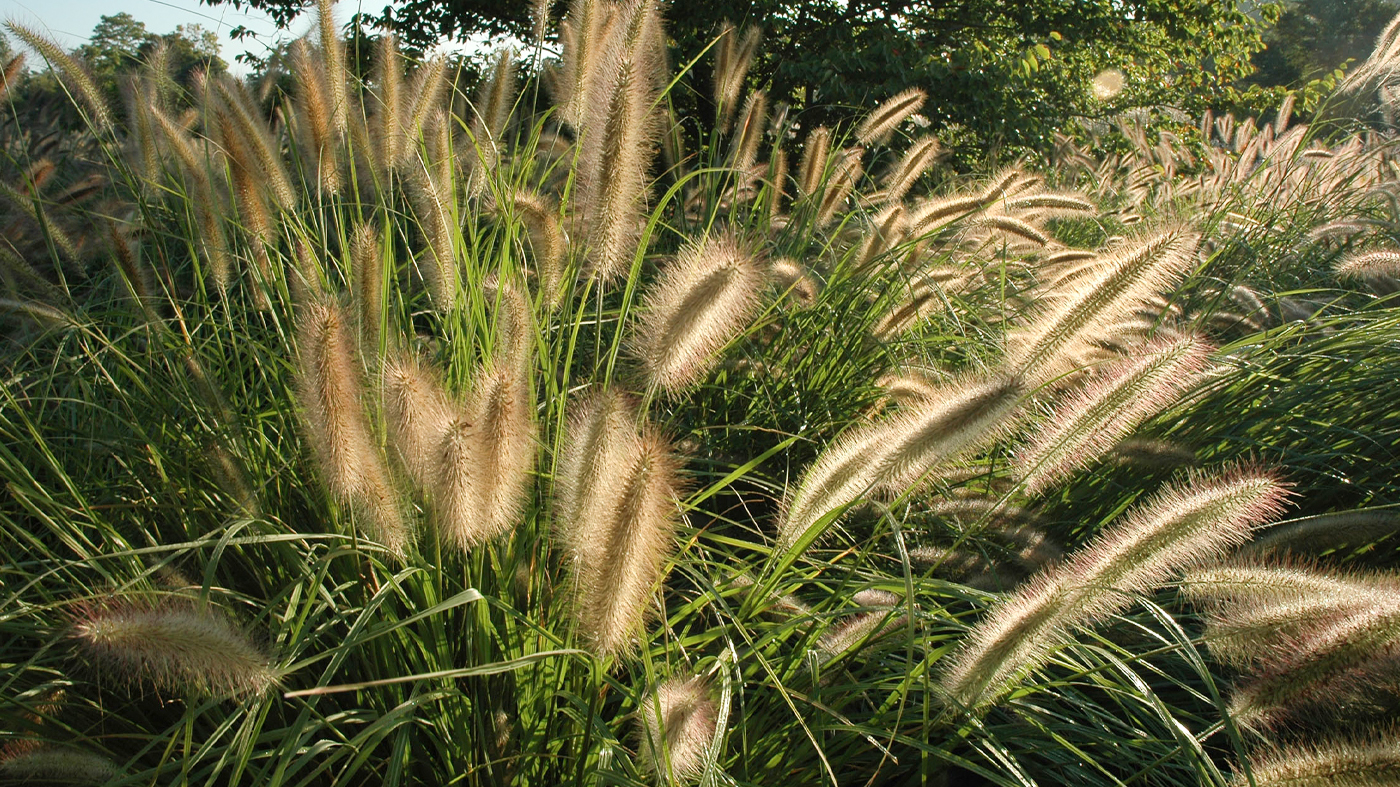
{"x":503,"y":407}
{"x":1011,"y":225}
{"x":492,"y":116}
{"x":212,"y":240}
{"x":1108,"y":293}
{"x":706,"y":297}
{"x":1072,"y":203}
{"x":888,"y":229}
{"x":862,"y":628}
{"x":936,"y":212}
{"x":812,"y":170}
{"x":1153,"y":453}
{"x":12,"y":69}
{"x":1384,"y":262}
{"x":460,"y":511}
{"x":317,"y":135}
{"x":918,"y":159}
{"x":1322,"y":660}
{"x":635,"y":534}
{"x":1249,"y":583}
{"x":1316,"y":534}
{"x":424,"y":100}
{"x":435,"y":206}
{"x":734,"y":55}
{"x":676,"y":725}
{"x":778,"y":169}
{"x":367,"y":279}
{"x":748,"y":134}
{"x":1338,"y":763}
{"x":142,"y":135}
{"x":794,"y":280}
{"x":1089,"y":422}
{"x":1067,"y":256}
{"x":876,"y":126}
{"x":333,"y":54}
{"x":255,"y":149}
{"x":388,"y":103}
{"x":541,"y":220}
{"x":250,"y":196}
{"x":56,"y":765}
{"x":173,"y":645}
{"x":74,"y":74}
{"x":332,"y":400}
{"x":926,"y":296}
{"x":839,"y":186}
{"x":617,"y":141}
{"x":127,"y":254}
{"x":584,"y":35}
{"x":1017,"y":529}
{"x":417,"y":411}
{"x":897,"y":452}
{"x":601,"y":436}
{"x":1181,"y":525}
{"x":1381,"y":65}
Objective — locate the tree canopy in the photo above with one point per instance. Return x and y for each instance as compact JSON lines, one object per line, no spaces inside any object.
{"x":1000,"y":74}
{"x":1314,"y":37}
{"x":120,"y":43}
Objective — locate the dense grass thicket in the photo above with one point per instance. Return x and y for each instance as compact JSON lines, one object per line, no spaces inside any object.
{"x":405,"y":432}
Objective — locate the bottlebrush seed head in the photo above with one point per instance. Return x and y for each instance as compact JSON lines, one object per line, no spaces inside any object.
{"x":601,"y":436}
{"x":677,"y":723}
{"x":332,"y":400}
{"x":174,"y":645}
{"x":878,"y":124}
{"x":503,"y":408}
{"x":1336,"y":763}
{"x":1088,"y":423}
{"x":1383,"y":262}
{"x":417,"y":411}
{"x":1183,"y":525}
{"x":705,"y":298}
{"x":920,"y":158}
{"x":622,"y":569}
{"x":56,"y":765}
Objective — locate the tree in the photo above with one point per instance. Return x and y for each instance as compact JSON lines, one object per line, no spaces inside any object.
{"x":120,"y":43}
{"x":114,"y":45}
{"x":1314,"y":37}
{"x":1001,"y":75}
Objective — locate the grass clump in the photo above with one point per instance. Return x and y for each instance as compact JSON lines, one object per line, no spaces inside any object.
{"x":532,"y":434}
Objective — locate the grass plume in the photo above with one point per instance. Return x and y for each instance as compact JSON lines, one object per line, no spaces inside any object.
{"x":1110,"y":292}
{"x":1089,"y":422}
{"x":174,"y":645}
{"x":897,"y":452}
{"x":635,"y":534}
{"x":75,"y":74}
{"x":676,"y":725}
{"x":705,"y":298}
{"x":332,"y":400}
{"x":1181,"y":525}
{"x":876,"y":126}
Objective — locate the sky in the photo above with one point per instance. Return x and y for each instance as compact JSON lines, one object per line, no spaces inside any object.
{"x":70,"y":22}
